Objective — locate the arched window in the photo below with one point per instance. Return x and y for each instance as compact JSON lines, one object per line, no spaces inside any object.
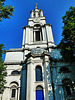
{"x":38,"y":73}
{"x":64,"y":70}
{"x":14,"y":89}
{"x":67,"y":87}
{"x":39,"y":93}
{"x":13,"y":92}
{"x":15,"y":72}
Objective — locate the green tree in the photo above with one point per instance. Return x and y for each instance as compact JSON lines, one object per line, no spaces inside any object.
{"x":5,"y":11}
{"x":67,"y":44}
{"x":3,"y":72}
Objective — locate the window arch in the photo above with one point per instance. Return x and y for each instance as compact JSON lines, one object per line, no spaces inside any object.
{"x":66,"y":81}
{"x":14,"y":83}
{"x":38,"y":73}
{"x":15,"y":72}
{"x":67,"y":87}
{"x":39,"y":93}
{"x":64,"y":70}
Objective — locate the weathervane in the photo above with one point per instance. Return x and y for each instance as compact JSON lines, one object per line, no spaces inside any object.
{"x":36,"y":5}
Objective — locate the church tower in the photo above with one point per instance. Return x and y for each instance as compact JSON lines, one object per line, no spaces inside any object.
{"x":37,"y":33}
{"x":37,"y":38}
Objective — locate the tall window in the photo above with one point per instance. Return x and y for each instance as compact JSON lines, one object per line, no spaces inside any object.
{"x":13,"y":93}
{"x":37,"y":34}
{"x":67,"y":87}
{"x":14,"y":89}
{"x":38,"y":73}
{"x":39,"y":93}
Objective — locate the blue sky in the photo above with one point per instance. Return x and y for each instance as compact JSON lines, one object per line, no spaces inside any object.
{"x":11,"y":31}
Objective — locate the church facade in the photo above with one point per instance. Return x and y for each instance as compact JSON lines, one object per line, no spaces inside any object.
{"x":31,"y":73}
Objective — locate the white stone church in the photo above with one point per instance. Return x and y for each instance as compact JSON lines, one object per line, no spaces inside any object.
{"x":29,"y":72}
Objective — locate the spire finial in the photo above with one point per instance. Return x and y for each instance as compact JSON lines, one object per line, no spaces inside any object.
{"x":36,"y":5}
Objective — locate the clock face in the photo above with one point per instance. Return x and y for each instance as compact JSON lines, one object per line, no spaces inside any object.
{"x":36,"y":20}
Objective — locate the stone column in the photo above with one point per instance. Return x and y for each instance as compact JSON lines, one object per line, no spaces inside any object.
{"x":30,"y":80}
{"x":23,"y":42}
{"x":43,"y":34}
{"x":49,"y":34}
{"x":47,"y":78}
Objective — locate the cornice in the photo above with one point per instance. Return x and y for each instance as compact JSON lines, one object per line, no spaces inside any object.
{"x":12,"y":63}
{"x":26,"y":26}
{"x":39,"y":43}
{"x":22,"y":49}
{"x":37,"y":55}
{"x":15,"y":50}
{"x":47,"y":24}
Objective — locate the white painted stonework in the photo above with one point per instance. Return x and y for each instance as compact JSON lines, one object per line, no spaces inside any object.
{"x":22,"y":82}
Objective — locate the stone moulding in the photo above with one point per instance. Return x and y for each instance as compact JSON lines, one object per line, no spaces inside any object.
{"x":12,"y":63}
{"x":38,"y":42}
{"x":40,"y":26}
{"x":15,"y":50}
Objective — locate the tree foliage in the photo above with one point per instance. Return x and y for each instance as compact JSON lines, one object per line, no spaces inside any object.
{"x":5,"y":11}
{"x":3,"y":72}
{"x":67,"y":44}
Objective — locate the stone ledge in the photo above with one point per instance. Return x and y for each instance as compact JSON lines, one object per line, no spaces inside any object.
{"x":12,"y":63}
{"x":15,"y":50}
